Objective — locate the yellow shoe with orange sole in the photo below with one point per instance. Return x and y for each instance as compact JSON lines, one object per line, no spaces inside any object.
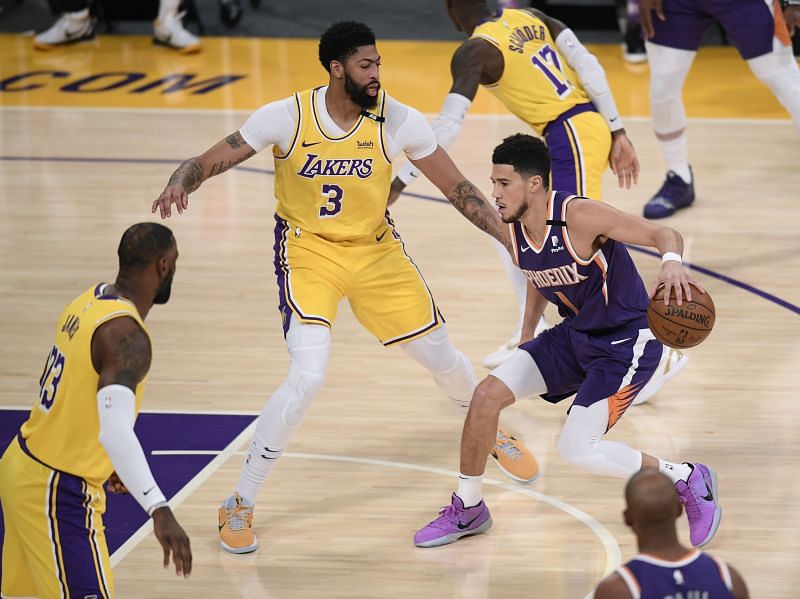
{"x":514,"y":459}
{"x":236,"y":526}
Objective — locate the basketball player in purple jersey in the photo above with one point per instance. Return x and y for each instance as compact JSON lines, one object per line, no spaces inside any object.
{"x":665,"y":568}
{"x":572,"y":251}
{"x":758,"y":28}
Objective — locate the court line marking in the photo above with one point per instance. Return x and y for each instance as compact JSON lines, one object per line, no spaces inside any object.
{"x":429,"y":115}
{"x":609,"y":542}
{"x":188,"y":489}
{"x":250,"y":169}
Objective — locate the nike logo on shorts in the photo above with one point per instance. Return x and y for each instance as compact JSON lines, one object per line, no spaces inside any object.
{"x":618,"y":341}
{"x":379,"y":237}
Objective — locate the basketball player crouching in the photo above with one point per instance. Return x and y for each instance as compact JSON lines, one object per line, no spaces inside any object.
{"x":572,"y":251}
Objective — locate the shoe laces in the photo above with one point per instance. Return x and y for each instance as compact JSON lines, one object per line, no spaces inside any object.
{"x":447,"y":515}
{"x":507,"y":446}
{"x":238,"y":516}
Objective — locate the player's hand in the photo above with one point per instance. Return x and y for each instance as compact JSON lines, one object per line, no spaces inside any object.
{"x":115,"y":485}
{"x":173,"y":539}
{"x":172,"y":194}
{"x":622,"y":158}
{"x":646,"y":8}
{"x":673,"y":275}
{"x":792,"y":16}
{"x":395,"y":190}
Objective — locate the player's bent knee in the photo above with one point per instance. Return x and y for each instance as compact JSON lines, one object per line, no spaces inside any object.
{"x":305,"y":385}
{"x":489,"y":397}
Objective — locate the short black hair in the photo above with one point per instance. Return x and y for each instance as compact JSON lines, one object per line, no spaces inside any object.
{"x":341,"y":40}
{"x":527,"y":154}
{"x":143,"y":243}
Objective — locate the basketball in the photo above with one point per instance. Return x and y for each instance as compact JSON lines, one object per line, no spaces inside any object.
{"x":681,"y":326}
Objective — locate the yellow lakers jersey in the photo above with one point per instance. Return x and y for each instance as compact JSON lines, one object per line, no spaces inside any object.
{"x":63,"y":429}
{"x":537,"y":83}
{"x":334,"y":187}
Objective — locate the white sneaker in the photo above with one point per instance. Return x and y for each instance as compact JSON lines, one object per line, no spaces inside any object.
{"x":170,"y":31}
{"x":504,"y":352}
{"x":672,"y":362}
{"x":70,"y":28}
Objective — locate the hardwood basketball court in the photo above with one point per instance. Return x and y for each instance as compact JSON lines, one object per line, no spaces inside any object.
{"x":378,"y":452}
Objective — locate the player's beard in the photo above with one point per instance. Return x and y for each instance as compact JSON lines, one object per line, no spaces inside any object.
{"x":164,"y":291}
{"x":523,"y":208}
{"x":359,"y":95}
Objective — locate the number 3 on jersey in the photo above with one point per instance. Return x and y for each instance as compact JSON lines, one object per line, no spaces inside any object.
{"x":334,"y":195}
{"x":547,"y":61}
{"x":51,"y":377}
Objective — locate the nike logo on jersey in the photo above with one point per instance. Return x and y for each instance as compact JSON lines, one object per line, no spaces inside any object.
{"x":305,"y":144}
{"x":379,"y":237}
{"x":462,"y":525}
{"x":525,"y":249}
{"x":618,"y":341}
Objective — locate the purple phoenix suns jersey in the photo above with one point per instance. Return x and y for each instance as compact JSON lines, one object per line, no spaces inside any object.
{"x":603,"y":292}
{"x":698,"y":576}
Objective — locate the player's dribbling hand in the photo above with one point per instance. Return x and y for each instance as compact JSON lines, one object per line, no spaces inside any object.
{"x":172,"y":194}
{"x":173,"y":539}
{"x":622,"y":158}
{"x":115,"y":485}
{"x":673,"y":275}
{"x":646,"y":8}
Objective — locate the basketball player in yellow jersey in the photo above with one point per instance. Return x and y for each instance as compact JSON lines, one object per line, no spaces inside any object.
{"x":334,"y":238}
{"x":81,"y":430}
{"x":542,"y":73}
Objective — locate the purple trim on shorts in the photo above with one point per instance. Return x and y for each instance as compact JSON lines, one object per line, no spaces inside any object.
{"x":568,"y":114}
{"x":281,"y":271}
{"x":77,"y":538}
{"x":285,"y":304}
{"x":52,"y":518}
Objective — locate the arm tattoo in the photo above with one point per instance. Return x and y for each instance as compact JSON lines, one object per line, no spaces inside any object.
{"x":468,"y":201}
{"x":189,"y":174}
{"x":132,"y":356}
{"x":221,"y":167}
{"x":235,"y":140}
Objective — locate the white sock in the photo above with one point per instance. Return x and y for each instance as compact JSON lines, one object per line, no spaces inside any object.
{"x":167,"y":7}
{"x":78,"y":15}
{"x":469,"y":489}
{"x":258,"y":464}
{"x":675,"y":472}
{"x":676,"y":156}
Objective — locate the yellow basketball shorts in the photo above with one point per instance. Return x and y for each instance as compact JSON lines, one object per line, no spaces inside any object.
{"x":54,"y":544}
{"x":579,"y":142}
{"x":385,"y":288}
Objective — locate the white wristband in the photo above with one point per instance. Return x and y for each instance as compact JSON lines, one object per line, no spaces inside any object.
{"x":671,"y":256}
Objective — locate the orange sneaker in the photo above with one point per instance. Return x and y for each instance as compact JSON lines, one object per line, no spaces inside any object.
{"x":236,"y":526}
{"x":514,"y":459}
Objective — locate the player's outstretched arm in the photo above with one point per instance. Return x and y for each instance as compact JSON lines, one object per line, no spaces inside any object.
{"x":469,"y":65}
{"x":467,"y":199}
{"x":191,"y":173}
{"x":590,"y":220}
{"x":612,"y":587}
{"x":535,"y":304}
{"x":121,"y":354}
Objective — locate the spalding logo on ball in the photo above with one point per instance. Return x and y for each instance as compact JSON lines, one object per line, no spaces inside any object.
{"x":681,"y":326}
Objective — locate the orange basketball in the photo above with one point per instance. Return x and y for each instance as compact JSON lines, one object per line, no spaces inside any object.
{"x":681,"y":326}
